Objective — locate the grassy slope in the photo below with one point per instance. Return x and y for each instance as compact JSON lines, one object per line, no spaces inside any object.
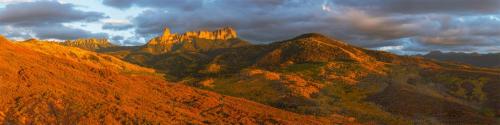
{"x":312,"y":74}
{"x":46,"y":84}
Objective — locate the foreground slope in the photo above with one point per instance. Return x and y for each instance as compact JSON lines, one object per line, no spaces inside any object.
{"x":44,"y":83}
{"x":315,"y":75}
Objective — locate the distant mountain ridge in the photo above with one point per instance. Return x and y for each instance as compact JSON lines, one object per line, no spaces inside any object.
{"x":191,"y":41}
{"x":89,"y":43}
{"x":475,"y":59}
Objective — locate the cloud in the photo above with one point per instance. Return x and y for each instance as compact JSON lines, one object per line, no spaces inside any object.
{"x":45,"y":19}
{"x":152,"y":22}
{"x":177,"y":4}
{"x":423,"y":6}
{"x":44,"y":12}
{"x":117,"y":38}
{"x":59,"y":32}
{"x":402,"y":26}
{"x":250,"y":18}
{"x":13,"y":33}
{"x":64,"y":33}
{"x":117,"y":25}
{"x":399,"y":25}
{"x":475,"y":31}
{"x":372,"y":27}
{"x":13,"y":1}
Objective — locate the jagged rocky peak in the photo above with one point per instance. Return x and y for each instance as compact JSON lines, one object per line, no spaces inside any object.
{"x":166,"y":35}
{"x":224,"y":33}
{"x":89,"y":43}
{"x":201,"y":40}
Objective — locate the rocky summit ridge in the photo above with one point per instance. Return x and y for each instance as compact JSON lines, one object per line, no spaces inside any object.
{"x":167,"y":37}
{"x":201,"y":40}
{"x":89,"y":44}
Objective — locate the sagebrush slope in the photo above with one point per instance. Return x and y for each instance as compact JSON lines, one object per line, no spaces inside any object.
{"x":45,"y":84}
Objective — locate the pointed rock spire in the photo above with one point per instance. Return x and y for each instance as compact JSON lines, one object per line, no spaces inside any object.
{"x":167,"y":37}
{"x":225,"y":33}
{"x":166,"y":31}
{"x":204,"y":39}
{"x":166,"y":34}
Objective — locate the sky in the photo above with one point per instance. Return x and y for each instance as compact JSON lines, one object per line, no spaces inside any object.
{"x":398,"y":26}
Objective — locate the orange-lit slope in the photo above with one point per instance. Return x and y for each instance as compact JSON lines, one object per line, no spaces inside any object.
{"x":51,"y":84}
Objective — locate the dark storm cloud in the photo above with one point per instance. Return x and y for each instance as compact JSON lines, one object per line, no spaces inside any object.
{"x":119,"y":3}
{"x":281,"y":21}
{"x":117,"y":38}
{"x":44,"y":20}
{"x":404,"y":25}
{"x":178,"y":4}
{"x":424,"y":6}
{"x":117,"y":27}
{"x":471,"y":31}
{"x":250,"y":18}
{"x":152,"y":22}
{"x":189,"y":5}
{"x":44,"y":12}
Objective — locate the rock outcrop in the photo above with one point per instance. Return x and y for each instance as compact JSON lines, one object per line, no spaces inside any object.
{"x":194,"y":41}
{"x":89,"y":44}
{"x":222,"y":34}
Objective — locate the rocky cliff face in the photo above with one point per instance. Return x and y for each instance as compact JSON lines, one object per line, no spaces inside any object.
{"x":89,"y":44}
{"x":225,"y":33}
{"x":193,"y":41}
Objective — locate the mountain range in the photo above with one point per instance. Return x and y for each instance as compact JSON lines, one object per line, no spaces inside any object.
{"x":491,"y":60}
{"x":215,"y":77}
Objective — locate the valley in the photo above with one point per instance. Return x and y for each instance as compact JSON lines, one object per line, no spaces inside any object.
{"x":314,"y":75}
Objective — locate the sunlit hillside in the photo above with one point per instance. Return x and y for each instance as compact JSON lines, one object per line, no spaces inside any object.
{"x":249,"y":62}
{"x":46,"y":83}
